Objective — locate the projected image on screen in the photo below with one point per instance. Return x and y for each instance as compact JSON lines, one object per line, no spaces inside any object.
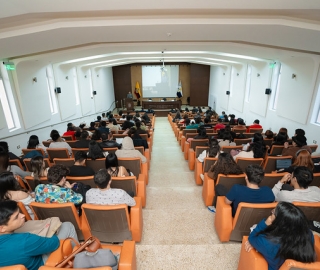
{"x":160,"y":82}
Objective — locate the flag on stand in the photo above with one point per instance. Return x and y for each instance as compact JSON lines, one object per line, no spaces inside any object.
{"x":137,"y":90}
{"x":179,"y":92}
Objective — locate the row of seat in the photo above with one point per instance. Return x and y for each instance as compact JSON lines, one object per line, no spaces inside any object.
{"x":237,"y":228}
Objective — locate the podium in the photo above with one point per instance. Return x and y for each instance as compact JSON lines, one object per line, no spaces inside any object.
{"x":129,"y":104}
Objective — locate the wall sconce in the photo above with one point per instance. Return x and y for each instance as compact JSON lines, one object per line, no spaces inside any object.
{"x":94,"y":92}
{"x":258,"y":74}
{"x":67,"y":78}
{"x":294,"y":76}
{"x":34,"y":79}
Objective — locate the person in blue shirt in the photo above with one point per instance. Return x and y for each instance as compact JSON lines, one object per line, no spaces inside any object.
{"x":285,"y":234}
{"x":27,"y":249}
{"x":251,"y":193}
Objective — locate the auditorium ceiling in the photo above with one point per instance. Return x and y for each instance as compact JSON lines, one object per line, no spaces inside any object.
{"x":100,"y":33}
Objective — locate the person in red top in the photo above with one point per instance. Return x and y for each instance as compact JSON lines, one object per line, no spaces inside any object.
{"x":219,"y":125}
{"x":256,"y":124}
{"x":70,"y":131}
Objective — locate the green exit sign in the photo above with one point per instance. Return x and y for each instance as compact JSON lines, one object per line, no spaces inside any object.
{"x":10,"y":67}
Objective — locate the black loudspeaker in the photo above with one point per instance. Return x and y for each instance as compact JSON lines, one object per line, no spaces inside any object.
{"x":268,"y":91}
{"x":228,"y":93}
{"x":57,"y":90}
{"x":94,"y":93}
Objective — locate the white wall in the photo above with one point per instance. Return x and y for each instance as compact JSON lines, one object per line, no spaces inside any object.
{"x":2,"y":118}
{"x":239,"y":86}
{"x":33,"y":95}
{"x":35,"y":108}
{"x":84,"y":81}
{"x":292,"y":112}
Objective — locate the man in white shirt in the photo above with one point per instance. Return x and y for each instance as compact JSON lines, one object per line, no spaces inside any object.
{"x":106,"y":195}
{"x":299,"y":190}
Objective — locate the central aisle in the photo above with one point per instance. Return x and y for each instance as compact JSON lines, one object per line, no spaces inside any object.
{"x":178,"y":229}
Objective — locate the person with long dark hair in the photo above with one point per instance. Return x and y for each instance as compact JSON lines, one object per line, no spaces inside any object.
{"x":58,"y":142}
{"x":285,"y":234}
{"x":38,"y":168}
{"x":224,"y":165}
{"x":113,"y":168}
{"x":95,"y":150}
{"x":10,"y":190}
{"x":34,"y":143}
{"x":214,"y":149}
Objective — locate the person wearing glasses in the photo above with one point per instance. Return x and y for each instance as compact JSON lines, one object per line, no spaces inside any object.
{"x":276,"y":237}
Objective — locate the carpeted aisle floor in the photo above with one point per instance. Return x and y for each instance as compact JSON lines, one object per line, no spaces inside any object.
{"x":178,"y":229}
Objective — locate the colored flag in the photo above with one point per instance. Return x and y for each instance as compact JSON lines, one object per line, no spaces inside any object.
{"x":179,"y":92}
{"x":137,"y":90}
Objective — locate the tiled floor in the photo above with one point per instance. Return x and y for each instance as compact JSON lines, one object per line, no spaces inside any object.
{"x":178,"y":229}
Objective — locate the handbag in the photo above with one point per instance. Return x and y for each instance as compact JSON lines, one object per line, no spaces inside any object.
{"x":102,"y":257}
{"x":92,"y":244}
{"x":45,"y":228}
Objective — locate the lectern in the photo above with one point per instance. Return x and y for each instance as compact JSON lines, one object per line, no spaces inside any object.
{"x":129,"y":104}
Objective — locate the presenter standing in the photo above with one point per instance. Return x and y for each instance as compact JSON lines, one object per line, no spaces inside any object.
{"x":129,"y":95}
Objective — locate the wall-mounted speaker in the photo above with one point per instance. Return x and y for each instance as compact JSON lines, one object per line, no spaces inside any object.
{"x":268,"y":91}
{"x":57,"y":90}
{"x":228,"y":93}
{"x":94,"y":93}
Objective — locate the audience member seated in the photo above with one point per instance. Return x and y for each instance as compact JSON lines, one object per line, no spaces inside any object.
{"x":59,"y":190}
{"x":224,"y":165}
{"x":280,"y":138}
{"x":58,"y":142}
{"x":251,"y":193}
{"x":92,"y":126}
{"x":226,"y":140}
{"x":11,"y":155}
{"x":202,"y":134}
{"x":4,"y":164}
{"x":127,"y":150}
{"x":113,"y":168}
{"x":303,"y":158}
{"x":26,"y":248}
{"x":11,"y":190}
{"x":222,"y":115}
{"x":127,"y":124}
{"x":70,"y":131}
{"x":298,"y":190}
{"x":228,"y":129}
{"x":177,"y":116}
{"x":146,"y":118}
{"x":113,"y":126}
{"x":194,"y":110}
{"x":232,"y":120}
{"x":241,"y":124}
{"x":96,"y":135}
{"x":103,"y":127}
{"x":194,"y":124}
{"x":206,"y":123}
{"x":214,"y":150}
{"x":106,"y":195}
{"x":268,"y":134}
{"x":34,"y":143}
{"x":298,"y":143}
{"x":284,"y":132}
{"x":256,"y":124}
{"x":96,"y":151}
{"x":283,"y":235}
{"x":139,"y":130}
{"x":103,"y":117}
{"x":299,"y":132}
{"x":108,"y":141}
{"x":219,"y":125}
{"x":137,"y":139}
{"x":79,"y":168}
{"x":257,"y":149}
{"x":84,"y":140}
{"x":98,"y":119}
{"x":38,"y":168}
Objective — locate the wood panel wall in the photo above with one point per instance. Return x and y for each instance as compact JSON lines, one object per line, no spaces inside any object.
{"x":199,"y":84}
{"x":121,"y":82}
{"x":194,"y":79}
